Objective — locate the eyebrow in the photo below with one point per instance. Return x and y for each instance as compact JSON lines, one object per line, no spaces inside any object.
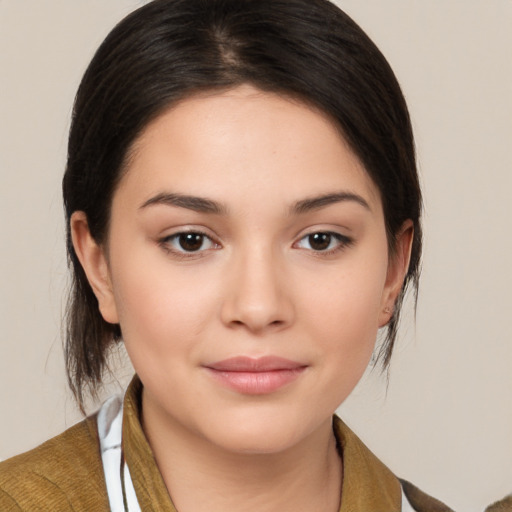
{"x":317,"y":202}
{"x":197,"y":204}
{"x":204,"y":205}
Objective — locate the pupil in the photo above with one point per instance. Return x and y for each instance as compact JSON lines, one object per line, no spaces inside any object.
{"x":191,"y":241}
{"x":320,"y":241}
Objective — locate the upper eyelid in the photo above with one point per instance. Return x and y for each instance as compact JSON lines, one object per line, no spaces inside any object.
{"x":335,"y":234}
{"x":186,"y":230}
{"x":330,"y":231}
{"x":173,"y":236}
{"x":339,"y":232}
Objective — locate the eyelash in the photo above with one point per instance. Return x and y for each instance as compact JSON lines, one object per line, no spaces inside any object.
{"x":342,"y":242}
{"x":167,"y":242}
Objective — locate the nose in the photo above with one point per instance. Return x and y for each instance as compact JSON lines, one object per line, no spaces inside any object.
{"x":257,"y":297}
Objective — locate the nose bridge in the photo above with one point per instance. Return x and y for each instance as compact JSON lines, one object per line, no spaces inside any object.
{"x":256,"y":296}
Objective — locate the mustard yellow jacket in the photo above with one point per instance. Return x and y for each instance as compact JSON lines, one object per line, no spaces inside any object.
{"x":66,"y":473}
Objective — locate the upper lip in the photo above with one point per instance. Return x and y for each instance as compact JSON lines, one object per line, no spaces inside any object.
{"x":255,"y":364}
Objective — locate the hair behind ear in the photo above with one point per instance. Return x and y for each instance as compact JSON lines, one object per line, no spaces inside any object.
{"x":88,"y":333}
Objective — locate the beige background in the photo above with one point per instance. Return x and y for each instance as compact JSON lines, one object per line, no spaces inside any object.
{"x":445,"y":421}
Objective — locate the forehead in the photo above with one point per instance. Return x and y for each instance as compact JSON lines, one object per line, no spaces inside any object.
{"x":216,"y":141}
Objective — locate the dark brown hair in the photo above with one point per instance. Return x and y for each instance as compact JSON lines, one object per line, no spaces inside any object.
{"x":170,"y":49}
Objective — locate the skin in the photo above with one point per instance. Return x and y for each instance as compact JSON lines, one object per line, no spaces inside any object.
{"x":257,"y":285}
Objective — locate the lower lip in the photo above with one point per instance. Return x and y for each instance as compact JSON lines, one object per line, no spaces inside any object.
{"x":257,"y":383}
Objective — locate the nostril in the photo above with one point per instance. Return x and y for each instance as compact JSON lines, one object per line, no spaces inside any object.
{"x":257,"y":325}
{"x":237,"y":322}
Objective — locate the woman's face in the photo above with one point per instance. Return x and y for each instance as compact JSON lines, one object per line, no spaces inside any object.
{"x":247,"y":265}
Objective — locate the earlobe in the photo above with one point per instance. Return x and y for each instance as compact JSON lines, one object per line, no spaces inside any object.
{"x":397,"y":270}
{"x":95,"y":265}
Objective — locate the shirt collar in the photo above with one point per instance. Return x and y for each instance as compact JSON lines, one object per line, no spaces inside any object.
{"x":148,"y":483}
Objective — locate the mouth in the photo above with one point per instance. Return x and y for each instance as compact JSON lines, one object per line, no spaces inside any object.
{"x":255,"y":376}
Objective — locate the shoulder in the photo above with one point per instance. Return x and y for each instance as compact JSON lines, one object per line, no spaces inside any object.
{"x":504,"y":505}
{"x":383,"y":490}
{"x":420,"y":501}
{"x":64,"y":473}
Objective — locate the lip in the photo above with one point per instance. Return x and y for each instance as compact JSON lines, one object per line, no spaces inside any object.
{"x":255,"y":376}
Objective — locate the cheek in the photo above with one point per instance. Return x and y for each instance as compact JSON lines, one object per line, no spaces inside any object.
{"x":161,"y":311}
{"x":346,"y":329}
{"x":347,"y":302}
{"x":342,"y":316}
{"x":345,"y":340}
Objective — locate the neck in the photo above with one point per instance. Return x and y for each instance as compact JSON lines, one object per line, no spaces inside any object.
{"x":201,"y":476}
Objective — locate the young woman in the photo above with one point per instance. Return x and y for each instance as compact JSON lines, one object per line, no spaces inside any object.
{"x":243,"y":214}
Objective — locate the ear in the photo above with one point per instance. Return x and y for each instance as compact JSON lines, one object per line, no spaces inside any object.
{"x":94,"y":262}
{"x":397,"y":270}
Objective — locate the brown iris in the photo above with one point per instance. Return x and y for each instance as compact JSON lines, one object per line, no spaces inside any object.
{"x":319,"y":241}
{"x":191,"y":241}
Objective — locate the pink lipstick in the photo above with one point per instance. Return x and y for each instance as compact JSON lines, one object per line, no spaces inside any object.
{"x":255,"y":376}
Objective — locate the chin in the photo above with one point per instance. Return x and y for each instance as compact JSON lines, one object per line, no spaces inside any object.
{"x":263,"y":433}
{"x":264,"y":441}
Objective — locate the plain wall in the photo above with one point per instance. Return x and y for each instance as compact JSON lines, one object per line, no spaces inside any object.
{"x":445,"y":420}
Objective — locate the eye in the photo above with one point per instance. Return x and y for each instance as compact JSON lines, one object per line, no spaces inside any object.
{"x":324,"y":241}
{"x":188,"y":242}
